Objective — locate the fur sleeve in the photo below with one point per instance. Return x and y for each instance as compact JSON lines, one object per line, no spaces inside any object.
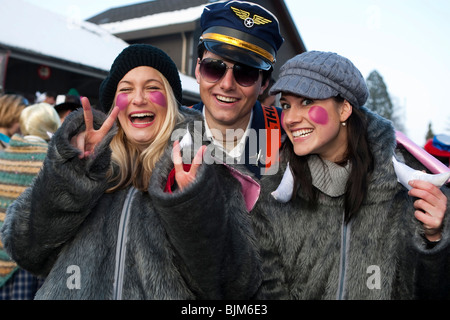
{"x":209,"y":227}
{"x":433,"y":263}
{"x":265,"y":220}
{"x":49,"y":213}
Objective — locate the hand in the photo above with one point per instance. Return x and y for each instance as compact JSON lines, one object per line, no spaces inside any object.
{"x":430,"y":206}
{"x":87,"y":141}
{"x":182,"y":177}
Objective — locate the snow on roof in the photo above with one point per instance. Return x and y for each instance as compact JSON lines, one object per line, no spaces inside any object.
{"x":36,"y":30}
{"x":155,"y":20}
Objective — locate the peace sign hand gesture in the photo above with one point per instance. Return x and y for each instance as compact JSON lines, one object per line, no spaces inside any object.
{"x":87,"y":140}
{"x":182,"y":177}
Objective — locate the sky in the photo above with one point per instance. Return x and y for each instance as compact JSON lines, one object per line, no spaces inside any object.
{"x":406,"y":41}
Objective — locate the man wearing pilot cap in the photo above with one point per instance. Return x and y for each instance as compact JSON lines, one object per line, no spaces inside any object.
{"x":236,"y":53}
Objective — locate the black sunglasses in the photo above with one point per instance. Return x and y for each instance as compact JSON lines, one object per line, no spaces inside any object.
{"x":212,"y":70}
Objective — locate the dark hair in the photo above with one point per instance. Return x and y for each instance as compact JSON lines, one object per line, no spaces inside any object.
{"x":358,"y":154}
{"x":52,"y":94}
{"x":266,"y":94}
{"x":266,"y":74}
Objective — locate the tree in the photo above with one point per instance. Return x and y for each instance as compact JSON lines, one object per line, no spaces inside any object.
{"x":430,"y":133}
{"x":379,"y":100}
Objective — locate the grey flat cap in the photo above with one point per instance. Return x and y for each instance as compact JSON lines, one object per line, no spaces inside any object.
{"x":322,"y":75}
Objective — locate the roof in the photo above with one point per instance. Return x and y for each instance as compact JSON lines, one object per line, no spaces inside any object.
{"x":47,"y":34}
{"x":158,"y":17}
{"x":143,"y":9}
{"x":156,"y":20}
{"x":70,"y":45}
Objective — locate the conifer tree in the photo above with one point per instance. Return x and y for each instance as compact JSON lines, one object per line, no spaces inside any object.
{"x":430,"y":133}
{"x":379,"y":100}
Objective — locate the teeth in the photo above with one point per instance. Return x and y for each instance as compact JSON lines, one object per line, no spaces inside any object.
{"x":302,"y":132}
{"x":140,"y":115}
{"x":142,"y":118}
{"x":226,"y":99}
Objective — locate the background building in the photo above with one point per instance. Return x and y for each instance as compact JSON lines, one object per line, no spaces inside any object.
{"x":174,"y":26}
{"x":56,"y":53}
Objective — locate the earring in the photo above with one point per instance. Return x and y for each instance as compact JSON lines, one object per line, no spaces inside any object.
{"x":344,"y":124}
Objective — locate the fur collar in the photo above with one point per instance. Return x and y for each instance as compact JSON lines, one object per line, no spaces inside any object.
{"x":382,"y":141}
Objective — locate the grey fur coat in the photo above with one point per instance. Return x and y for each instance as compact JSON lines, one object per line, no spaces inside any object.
{"x":379,"y":254}
{"x":191,"y":244}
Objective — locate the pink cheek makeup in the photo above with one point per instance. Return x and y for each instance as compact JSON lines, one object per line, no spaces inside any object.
{"x":158,"y":98}
{"x":122,"y":101}
{"x":318,"y":114}
{"x":282,"y":120}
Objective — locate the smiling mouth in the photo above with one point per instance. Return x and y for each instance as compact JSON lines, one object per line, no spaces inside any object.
{"x":226,"y":99}
{"x":302,"y":133}
{"x":142,"y":118}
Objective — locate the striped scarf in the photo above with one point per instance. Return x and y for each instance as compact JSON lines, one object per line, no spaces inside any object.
{"x":19,"y":164}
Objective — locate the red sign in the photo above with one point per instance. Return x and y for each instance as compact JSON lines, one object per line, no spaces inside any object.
{"x":44,"y":72}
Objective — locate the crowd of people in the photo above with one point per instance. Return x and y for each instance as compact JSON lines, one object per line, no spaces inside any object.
{"x":122,"y":202}
{"x":25,"y":131}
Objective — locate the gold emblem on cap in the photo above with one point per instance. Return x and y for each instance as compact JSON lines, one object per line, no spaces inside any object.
{"x":249,"y":22}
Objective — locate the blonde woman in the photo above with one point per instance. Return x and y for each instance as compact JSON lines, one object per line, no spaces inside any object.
{"x":39,"y":122}
{"x":97,"y":221}
{"x":11,"y":105}
{"x":20,"y":162}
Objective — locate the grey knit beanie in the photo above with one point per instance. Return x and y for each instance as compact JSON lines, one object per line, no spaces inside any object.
{"x":133,"y":56}
{"x":322,"y":75}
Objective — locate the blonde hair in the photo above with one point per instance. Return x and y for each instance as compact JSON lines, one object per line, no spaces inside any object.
{"x":39,"y":120}
{"x":135,"y":167}
{"x":11,"y":105}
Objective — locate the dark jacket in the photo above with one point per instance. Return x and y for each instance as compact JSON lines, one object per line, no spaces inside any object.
{"x":379,"y":254}
{"x":255,"y":158}
{"x":194,"y":244}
